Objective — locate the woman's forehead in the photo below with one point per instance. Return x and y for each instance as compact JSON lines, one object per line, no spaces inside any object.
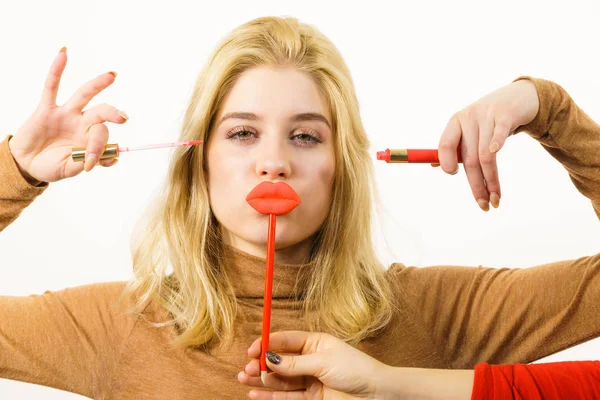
{"x":275,"y":91}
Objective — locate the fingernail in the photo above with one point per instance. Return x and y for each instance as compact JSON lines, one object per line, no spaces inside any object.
{"x":483,"y":204}
{"x":494,"y":146}
{"x":455,"y":172}
{"x":90,"y":161}
{"x":113,"y":162}
{"x":273,"y":358}
{"x":63,"y":50}
{"x":113,"y":73}
{"x":495,"y":200}
{"x":122,"y":114}
{"x":237,"y":376}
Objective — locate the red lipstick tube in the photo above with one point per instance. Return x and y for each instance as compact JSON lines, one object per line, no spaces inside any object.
{"x":429,"y":156}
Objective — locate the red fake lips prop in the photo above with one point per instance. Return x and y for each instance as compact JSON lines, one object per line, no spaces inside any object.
{"x":273,"y":198}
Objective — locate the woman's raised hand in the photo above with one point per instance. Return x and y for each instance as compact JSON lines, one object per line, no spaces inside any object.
{"x":479,"y":132}
{"x":42,"y":146}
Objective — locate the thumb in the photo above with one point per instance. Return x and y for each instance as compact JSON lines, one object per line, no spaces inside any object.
{"x":501,"y":133}
{"x":303,"y":365}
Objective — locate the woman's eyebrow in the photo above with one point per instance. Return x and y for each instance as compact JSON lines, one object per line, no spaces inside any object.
{"x":309,"y":116}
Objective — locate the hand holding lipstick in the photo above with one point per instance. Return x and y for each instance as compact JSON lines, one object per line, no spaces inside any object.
{"x":474,"y":135}
{"x":479,"y":132}
{"x":42,"y":145}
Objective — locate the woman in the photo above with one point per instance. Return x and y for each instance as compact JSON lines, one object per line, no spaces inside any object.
{"x":276,"y":102}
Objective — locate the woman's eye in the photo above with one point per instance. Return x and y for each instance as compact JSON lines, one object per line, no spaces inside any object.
{"x":240,"y":134}
{"x":306,"y":139}
{"x":244,"y":134}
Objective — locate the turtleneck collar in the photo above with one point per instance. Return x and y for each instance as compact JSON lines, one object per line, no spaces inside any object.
{"x":247,"y":274}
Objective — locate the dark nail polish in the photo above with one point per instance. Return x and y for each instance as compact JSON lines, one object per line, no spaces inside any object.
{"x":273,"y":358}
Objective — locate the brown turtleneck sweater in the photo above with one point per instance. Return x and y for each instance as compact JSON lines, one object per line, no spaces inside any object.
{"x":448,"y":317}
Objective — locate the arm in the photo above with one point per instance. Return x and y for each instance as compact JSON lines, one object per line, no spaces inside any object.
{"x":475,"y":315}
{"x":40,"y":151}
{"x":16,"y":192}
{"x":70,"y":340}
{"x":573,"y":380}
{"x":342,"y":371}
{"x":563,"y":380}
{"x":517,"y":315}
{"x":569,"y":135}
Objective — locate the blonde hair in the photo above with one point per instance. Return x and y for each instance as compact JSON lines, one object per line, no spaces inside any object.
{"x":347,"y":294}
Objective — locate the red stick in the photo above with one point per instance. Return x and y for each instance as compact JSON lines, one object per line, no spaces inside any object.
{"x":266,"y":328}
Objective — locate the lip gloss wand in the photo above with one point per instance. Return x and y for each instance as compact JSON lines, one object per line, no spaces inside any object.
{"x":270,"y":199}
{"x":113,"y":150}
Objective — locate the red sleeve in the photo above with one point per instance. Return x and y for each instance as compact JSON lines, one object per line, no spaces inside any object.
{"x":561,"y":380}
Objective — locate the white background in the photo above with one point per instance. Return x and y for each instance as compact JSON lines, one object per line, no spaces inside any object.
{"x":414,"y":64}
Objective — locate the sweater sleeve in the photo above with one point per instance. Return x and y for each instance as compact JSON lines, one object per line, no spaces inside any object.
{"x":507,"y":315}
{"x":517,"y":315}
{"x":573,"y":380}
{"x":15,"y":192}
{"x":569,"y":135}
{"x":70,"y":339}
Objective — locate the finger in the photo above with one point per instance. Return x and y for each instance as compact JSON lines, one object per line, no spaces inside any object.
{"x":285,"y":342}
{"x":264,"y":395}
{"x":449,"y":143}
{"x":88,"y":91}
{"x":273,"y":381}
{"x":53,"y":79}
{"x":254,"y":349}
{"x":71,"y":168}
{"x":103,"y":113}
{"x":501,"y":133}
{"x":435,"y":164}
{"x":108,"y":162}
{"x":471,"y":163}
{"x":253,"y":367}
{"x":487,"y":160}
{"x":97,"y":139}
{"x":303,"y":365}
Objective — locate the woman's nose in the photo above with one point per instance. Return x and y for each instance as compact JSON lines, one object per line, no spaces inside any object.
{"x":273,"y":162}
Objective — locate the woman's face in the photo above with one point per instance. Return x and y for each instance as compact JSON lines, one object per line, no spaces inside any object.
{"x":274,"y":125}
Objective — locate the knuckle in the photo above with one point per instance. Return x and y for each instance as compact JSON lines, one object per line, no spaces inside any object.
{"x":470,"y":112}
{"x":503,"y":121}
{"x":471,"y":162}
{"x":446,"y":145}
{"x":493,"y":183}
{"x":292,"y":363}
{"x":486,"y":158}
{"x":479,"y":189}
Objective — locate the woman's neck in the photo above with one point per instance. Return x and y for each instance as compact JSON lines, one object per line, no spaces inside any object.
{"x":295,"y":254}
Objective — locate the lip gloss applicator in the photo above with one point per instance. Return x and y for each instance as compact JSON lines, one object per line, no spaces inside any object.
{"x":411,"y":156}
{"x":270,"y":199}
{"x":113,"y":150}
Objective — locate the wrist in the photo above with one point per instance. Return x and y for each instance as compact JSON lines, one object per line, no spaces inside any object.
{"x":389,"y":383}
{"x":15,"y":155}
{"x":396,"y":383}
